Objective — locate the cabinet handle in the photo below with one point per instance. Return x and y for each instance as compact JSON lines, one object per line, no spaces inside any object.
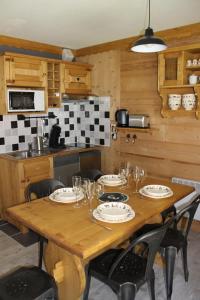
{"x":23,"y":181}
{"x":78,"y":78}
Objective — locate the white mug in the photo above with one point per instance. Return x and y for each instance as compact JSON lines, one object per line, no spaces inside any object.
{"x":195,"y":62}
{"x":193,"y":79}
{"x":189,"y":62}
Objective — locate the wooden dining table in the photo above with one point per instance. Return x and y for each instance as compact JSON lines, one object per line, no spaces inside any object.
{"x":74,"y":239}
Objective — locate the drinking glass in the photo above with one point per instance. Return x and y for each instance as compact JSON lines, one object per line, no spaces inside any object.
{"x":76,"y":183}
{"x":84,"y":184}
{"x":138,"y":174}
{"x":90,"y":194}
{"x":124,"y":173}
{"x":99,"y":189}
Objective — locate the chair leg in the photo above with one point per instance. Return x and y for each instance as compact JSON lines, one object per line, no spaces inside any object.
{"x":151,"y":287}
{"x":127,"y":292}
{"x":41,"y":250}
{"x":170,"y":256}
{"x":87,"y":286}
{"x":185,"y":265}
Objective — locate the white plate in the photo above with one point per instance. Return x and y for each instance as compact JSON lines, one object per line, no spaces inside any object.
{"x":114,"y":180}
{"x":157,"y":190}
{"x":128,"y":217}
{"x":143,"y":193}
{"x":65,"y":195}
{"x":113,"y":210}
{"x":111,"y":178}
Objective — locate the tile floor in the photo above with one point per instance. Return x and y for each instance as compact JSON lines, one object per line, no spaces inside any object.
{"x":13,"y":254}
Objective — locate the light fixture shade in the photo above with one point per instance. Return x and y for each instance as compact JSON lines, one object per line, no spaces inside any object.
{"x":148,"y":43}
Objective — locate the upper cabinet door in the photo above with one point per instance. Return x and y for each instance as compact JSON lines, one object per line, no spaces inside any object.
{"x":170,"y":69}
{"x":25,"y":71}
{"x":76,"y":79}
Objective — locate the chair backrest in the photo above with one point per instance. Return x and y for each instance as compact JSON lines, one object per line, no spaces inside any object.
{"x":42,"y":188}
{"x":92,"y":174}
{"x":184,"y":218}
{"x":151,"y":240}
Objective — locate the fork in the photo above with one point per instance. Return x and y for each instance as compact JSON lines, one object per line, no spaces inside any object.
{"x":96,"y":222}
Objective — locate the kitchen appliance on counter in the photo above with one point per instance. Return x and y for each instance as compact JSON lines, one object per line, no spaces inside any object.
{"x":54,"y":138}
{"x":139,"y":121}
{"x":121,"y":117}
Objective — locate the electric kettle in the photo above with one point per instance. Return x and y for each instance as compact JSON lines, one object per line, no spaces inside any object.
{"x":121,"y":117}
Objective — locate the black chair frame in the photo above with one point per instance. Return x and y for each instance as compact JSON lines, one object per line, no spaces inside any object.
{"x":113,"y":266}
{"x":174,"y":240}
{"x":41,"y":189}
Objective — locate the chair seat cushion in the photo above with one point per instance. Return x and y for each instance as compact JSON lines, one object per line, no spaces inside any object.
{"x":27,"y":284}
{"x":131,"y":268}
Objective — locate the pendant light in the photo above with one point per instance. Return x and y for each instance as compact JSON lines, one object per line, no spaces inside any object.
{"x":148,"y":43}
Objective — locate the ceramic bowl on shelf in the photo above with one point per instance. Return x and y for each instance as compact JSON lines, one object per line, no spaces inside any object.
{"x":174,"y":101}
{"x":188,"y":101}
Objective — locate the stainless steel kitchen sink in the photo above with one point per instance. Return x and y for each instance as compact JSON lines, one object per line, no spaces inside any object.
{"x":27,"y":154}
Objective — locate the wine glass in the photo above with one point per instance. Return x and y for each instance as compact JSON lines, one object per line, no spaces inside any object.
{"x":138,"y":174}
{"x":76,"y":183}
{"x":84,"y":184}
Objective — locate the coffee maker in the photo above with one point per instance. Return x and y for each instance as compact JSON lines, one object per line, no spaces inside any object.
{"x":54,"y":138}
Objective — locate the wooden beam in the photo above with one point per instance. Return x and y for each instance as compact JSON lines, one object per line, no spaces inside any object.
{"x":29,"y":45}
{"x":180,"y":33}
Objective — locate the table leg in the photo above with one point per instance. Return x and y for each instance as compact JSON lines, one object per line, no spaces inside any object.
{"x":68,"y":271}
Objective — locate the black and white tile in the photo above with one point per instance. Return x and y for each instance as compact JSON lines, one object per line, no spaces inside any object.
{"x":82,"y":121}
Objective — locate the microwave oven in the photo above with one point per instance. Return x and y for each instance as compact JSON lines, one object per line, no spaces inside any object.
{"x":25,"y":100}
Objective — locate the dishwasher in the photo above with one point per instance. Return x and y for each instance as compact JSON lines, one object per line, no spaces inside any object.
{"x":65,"y":167}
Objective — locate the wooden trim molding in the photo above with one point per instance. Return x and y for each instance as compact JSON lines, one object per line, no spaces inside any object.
{"x":178,"y":33}
{"x":29,"y":45}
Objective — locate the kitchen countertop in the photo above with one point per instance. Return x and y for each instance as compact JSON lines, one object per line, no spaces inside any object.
{"x":69,"y":149}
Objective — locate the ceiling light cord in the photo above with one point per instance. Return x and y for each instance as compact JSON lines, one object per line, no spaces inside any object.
{"x":149,"y":15}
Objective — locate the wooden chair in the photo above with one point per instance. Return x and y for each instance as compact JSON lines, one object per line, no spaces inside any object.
{"x":38,"y":190}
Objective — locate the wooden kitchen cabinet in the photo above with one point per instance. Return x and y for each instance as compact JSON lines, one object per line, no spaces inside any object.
{"x":173,"y":78}
{"x":76,"y":78}
{"x":54,"y":83}
{"x":24,"y":70}
{"x":15,"y":175}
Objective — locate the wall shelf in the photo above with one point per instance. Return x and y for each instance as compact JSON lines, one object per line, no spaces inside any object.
{"x":134,"y":129}
{"x":173,"y":78}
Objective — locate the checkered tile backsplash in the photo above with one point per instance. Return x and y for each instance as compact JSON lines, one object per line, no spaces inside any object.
{"x":82,"y":121}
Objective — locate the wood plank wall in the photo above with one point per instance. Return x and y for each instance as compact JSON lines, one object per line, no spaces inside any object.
{"x":106,"y":82}
{"x":172,"y":147}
